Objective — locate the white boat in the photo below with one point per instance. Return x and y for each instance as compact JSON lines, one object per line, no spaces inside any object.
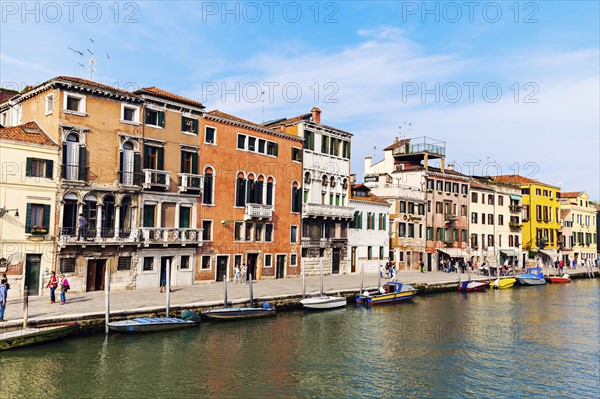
{"x":324,"y":302}
{"x":534,"y":276}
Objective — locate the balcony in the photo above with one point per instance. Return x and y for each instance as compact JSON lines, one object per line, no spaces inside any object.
{"x":515,"y":208}
{"x":190,"y":182}
{"x":514,"y":226}
{"x":170,"y":235}
{"x":420,"y":146}
{"x":450,"y":217}
{"x":307,"y":242}
{"x":327,"y":211}
{"x":258,"y":211}
{"x":156,"y":178}
{"x":70,"y":235}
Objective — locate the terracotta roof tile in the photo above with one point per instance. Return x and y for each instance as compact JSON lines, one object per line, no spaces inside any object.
{"x":291,"y":120}
{"x":232,"y":118}
{"x":518,"y":180}
{"x":29,"y":132}
{"x":168,"y":95}
{"x":476,"y":184}
{"x":564,"y":213}
{"x":396,"y":144}
{"x":570,"y":194}
{"x":370,"y":196}
{"x":89,"y":83}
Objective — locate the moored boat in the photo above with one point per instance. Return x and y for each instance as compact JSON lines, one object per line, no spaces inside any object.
{"x":241,"y":313}
{"x":324,"y":302}
{"x":503,"y":283}
{"x":32,"y":336}
{"x":392,"y":292}
{"x":534,"y":276}
{"x":472,"y":286}
{"x":560,"y":280}
{"x":149,"y":324}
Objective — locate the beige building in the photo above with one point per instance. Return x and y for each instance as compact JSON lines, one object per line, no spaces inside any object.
{"x":28,"y":186}
{"x":579,"y":239}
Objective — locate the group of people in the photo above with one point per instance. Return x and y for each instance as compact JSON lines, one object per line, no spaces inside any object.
{"x":240,"y":275}
{"x":450,"y":265}
{"x":62,"y":284}
{"x":388,"y":272}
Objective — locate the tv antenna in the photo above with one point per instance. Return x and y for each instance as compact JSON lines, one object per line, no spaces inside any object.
{"x":91,"y":61}
{"x":404,"y":130}
{"x":263,"y":106}
{"x":80,"y":63}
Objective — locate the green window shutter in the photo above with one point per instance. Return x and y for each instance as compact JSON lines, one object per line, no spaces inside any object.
{"x":49,"y":169}
{"x":160,"y":157}
{"x":195,"y":163}
{"x":28,"y":167}
{"x":28,"y":219}
{"x":146,"y":157}
{"x":195,"y":126}
{"x":183,"y":123}
{"x":161,"y":118}
{"x":64,"y":161}
{"x":147,"y":117}
{"x":121,"y":168}
{"x":182,"y":162}
{"x":82,"y":163}
{"x":46,"y":217}
{"x":137,"y":175}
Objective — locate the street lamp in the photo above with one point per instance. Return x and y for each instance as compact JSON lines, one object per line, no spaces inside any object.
{"x":5,"y":211}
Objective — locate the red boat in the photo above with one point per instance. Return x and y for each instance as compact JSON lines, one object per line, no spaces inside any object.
{"x":470,"y":286}
{"x":561,"y":280}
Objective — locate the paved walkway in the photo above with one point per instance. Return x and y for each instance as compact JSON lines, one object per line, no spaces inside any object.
{"x":211,"y":294}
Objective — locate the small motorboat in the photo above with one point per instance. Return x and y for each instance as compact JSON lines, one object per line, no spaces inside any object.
{"x":472,"y":286}
{"x":225,"y":314}
{"x":391,"y":292}
{"x":503,"y":283}
{"x":534,"y":276}
{"x":31,"y":336}
{"x":324,"y":302}
{"x":560,"y":280}
{"x":150,"y":324}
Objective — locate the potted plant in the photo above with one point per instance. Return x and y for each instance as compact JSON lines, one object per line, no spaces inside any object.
{"x":39,"y":230}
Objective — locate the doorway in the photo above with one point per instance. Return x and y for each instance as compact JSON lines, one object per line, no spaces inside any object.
{"x":95,"y":275}
{"x":32,"y":274}
{"x":221,"y":267}
{"x":428,"y":262}
{"x":335,"y":264}
{"x":280,"y":270}
{"x":163,"y":269}
{"x":251,"y":265}
{"x":353,"y":260}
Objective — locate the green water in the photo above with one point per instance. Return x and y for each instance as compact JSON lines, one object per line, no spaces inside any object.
{"x":530,"y":342}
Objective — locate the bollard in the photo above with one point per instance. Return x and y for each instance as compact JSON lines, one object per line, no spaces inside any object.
{"x":25,"y":308}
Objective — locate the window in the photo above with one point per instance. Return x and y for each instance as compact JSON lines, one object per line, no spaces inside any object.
{"x":439,"y":185}
{"x":293,"y":260}
{"x":463,"y":210}
{"x":448,"y":187}
{"x":241,"y":142}
{"x":74,"y":157}
{"x":309,"y":140}
{"x":189,"y":164}
{"x":124,"y":263}
{"x":474,"y":198}
{"x":401,"y":229}
{"x":189,"y":125}
{"x":538,"y":191}
{"x":74,"y":104}
{"x":381,"y":249}
{"x":205,"y":262}
{"x":464,"y":235}
{"x":474,"y":217}
{"x":296,"y":198}
{"x":490,"y":241}
{"x":148,"y":215}
{"x":483,"y":218}
{"x":155,"y":118}
{"x":237,"y":231}
{"x":49,"y":105}
{"x":268,"y":260}
{"x":296,"y":154}
{"x":464,"y":189}
{"x":184,"y":263}
{"x":491,"y":199}
{"x":249,"y":230}
{"x":130,"y":114}
{"x":411,"y":230}
{"x":455,"y":188}
{"x":411,"y":208}
{"x":429,"y":233}
{"x":271,"y":148}
{"x":206,"y":230}
{"x":148,"y":263}
{"x":438,"y":207}
{"x":269,"y":232}
{"x":38,"y":216}
{"x":258,"y":236}
{"x":346,"y":149}
{"x":207,"y":193}
{"x":501,"y":200}
{"x":252,"y":143}
{"x":501,"y":220}
{"x":67,"y":265}
{"x":39,"y":168}
{"x":153,"y":157}
{"x":525,"y":191}
{"x":370,"y":253}
{"x":293,"y":233}
{"x":490,"y":219}
{"x":438,"y":234}
{"x":184,"y":217}
{"x":324,"y":144}
{"x":430,"y":184}
{"x":421,"y":209}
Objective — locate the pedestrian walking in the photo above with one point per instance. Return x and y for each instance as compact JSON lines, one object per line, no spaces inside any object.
{"x":2,"y":299}
{"x":236,"y":276}
{"x":52,"y":284}
{"x":244,"y":273}
{"x":163,"y":281}
{"x":381,"y":271}
{"x":422,"y":264}
{"x":64,"y":287}
{"x":7,"y":284}
{"x":82,"y":222}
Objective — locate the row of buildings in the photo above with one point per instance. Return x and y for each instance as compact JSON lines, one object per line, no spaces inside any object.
{"x":162,"y":183}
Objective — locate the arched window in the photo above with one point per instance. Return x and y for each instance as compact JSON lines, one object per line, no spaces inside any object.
{"x":240,"y":190}
{"x":108,"y":217}
{"x":208,"y":193}
{"x":130,"y":162}
{"x":270,"y":191}
{"x":250,"y":189}
{"x":126,"y":217}
{"x":296,"y":197}
{"x":74,"y":158}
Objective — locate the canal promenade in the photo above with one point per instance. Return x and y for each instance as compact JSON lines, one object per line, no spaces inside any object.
{"x":286,"y":292}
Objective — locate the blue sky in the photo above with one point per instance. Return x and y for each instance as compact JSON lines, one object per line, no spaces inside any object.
{"x":375,"y":66}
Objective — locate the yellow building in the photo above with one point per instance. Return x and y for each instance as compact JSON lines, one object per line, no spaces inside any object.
{"x":27,"y":206}
{"x":579,"y":239}
{"x":541,"y":215}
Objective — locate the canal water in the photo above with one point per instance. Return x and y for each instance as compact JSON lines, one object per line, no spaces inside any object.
{"x":529,"y":342}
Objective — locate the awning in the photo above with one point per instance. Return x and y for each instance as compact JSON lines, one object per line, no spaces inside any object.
{"x":509,"y":252}
{"x":549,"y":252}
{"x":516,"y":197}
{"x":454,"y":252}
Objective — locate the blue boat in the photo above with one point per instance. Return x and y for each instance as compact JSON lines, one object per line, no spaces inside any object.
{"x":150,"y":324}
{"x":534,"y":276}
{"x":391,"y":292}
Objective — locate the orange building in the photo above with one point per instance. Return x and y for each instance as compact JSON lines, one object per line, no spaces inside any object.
{"x":251,"y":204}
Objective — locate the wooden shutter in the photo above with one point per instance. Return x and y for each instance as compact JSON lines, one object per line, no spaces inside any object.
{"x":28,"y":219}
{"x":46,"y":218}
{"x":49,"y":169}
{"x":146,"y":157}
{"x":195,"y":162}
{"x":160,"y":157}
{"x":28,"y":166}
{"x":137,"y":169}
{"x":161,"y":118}
{"x":64,"y":161}
{"x":82,"y":163}
{"x":121,"y":168}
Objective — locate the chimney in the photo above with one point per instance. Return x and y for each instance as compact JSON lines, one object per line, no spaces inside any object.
{"x":450,"y":166}
{"x":353,"y":178}
{"x":368,"y":163}
{"x":316,"y":115}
